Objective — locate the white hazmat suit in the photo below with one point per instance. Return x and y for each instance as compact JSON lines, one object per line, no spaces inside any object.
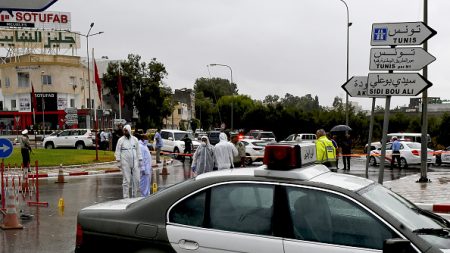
{"x":224,"y":153}
{"x":128,"y":154}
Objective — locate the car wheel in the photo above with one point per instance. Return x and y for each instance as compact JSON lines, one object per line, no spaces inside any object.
{"x":372,"y":161}
{"x":49,"y":145}
{"x":177,"y":151}
{"x":79,"y":145}
{"x":403,"y":163}
{"x":248,"y":160}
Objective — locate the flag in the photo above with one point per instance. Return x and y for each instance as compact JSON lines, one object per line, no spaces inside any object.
{"x":98,"y":81}
{"x":33,"y":97}
{"x":120,"y":89}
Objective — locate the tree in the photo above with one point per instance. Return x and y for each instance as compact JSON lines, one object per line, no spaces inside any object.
{"x":143,"y":88}
{"x":214,"y":88}
{"x":444,"y":136}
{"x":241,"y":104}
{"x":269,"y":99}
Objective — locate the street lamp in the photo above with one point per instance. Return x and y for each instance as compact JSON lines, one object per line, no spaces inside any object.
{"x":231,"y":83}
{"x":43,"y":103}
{"x":348,"y":41}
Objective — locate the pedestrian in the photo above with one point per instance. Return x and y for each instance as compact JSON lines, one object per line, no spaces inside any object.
{"x":224,"y":153}
{"x":395,"y":152}
{"x":25,"y":149}
{"x":145,"y":166}
{"x":118,"y":133}
{"x":204,"y":158}
{"x":187,"y":147}
{"x":346,"y":147}
{"x":158,"y":145}
{"x":128,"y":154}
{"x":104,"y":140}
{"x":239,"y":160}
{"x":325,"y":151}
{"x":334,"y":140}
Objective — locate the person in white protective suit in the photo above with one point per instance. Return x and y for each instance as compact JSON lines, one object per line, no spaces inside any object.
{"x":145,"y":166}
{"x":204,"y":159}
{"x":224,"y":153}
{"x":128,"y":154}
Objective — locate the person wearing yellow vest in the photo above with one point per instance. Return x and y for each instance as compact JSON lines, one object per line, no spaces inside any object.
{"x":325,"y":150}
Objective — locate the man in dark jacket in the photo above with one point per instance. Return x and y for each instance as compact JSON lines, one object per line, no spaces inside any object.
{"x":187,"y":147}
{"x":346,"y":147}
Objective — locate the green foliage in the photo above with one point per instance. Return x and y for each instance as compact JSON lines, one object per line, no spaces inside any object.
{"x":444,"y":136}
{"x":143,"y":88}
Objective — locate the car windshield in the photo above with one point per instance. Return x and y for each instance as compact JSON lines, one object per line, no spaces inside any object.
{"x":414,"y":145}
{"x":180,"y":136}
{"x":408,"y":214}
{"x":267,"y":135}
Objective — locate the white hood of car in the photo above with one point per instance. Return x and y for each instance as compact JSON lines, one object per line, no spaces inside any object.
{"x":120,"y":204}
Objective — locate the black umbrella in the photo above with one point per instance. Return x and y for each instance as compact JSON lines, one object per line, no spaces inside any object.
{"x":340,"y":128}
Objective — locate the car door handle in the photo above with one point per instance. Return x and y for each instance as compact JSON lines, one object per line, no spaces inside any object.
{"x":187,"y":244}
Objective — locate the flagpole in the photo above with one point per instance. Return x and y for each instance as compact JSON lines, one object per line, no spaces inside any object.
{"x":120,"y":97}
{"x":95,"y":117}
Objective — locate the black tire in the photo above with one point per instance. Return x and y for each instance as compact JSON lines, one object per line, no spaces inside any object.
{"x":49,"y":145}
{"x":79,"y":145}
{"x":403,"y":163}
{"x":248,"y":160}
{"x":372,"y":161}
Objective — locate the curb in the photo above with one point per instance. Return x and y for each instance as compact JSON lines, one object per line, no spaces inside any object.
{"x":77,"y":166}
{"x":77,"y":173}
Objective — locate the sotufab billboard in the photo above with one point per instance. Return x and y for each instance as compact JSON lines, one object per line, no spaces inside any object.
{"x":48,"y":20}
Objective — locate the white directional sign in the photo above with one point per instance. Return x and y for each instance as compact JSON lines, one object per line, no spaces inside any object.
{"x":25,"y":5}
{"x":119,"y":121}
{"x":71,"y":110}
{"x":396,"y":84}
{"x":356,"y":86}
{"x":397,"y":34}
{"x":402,"y":58}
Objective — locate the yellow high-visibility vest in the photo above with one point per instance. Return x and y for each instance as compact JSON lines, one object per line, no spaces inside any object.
{"x":325,"y":150}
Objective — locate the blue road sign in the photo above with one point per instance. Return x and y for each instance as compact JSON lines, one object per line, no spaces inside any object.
{"x":380,"y":34}
{"x":6,"y":148}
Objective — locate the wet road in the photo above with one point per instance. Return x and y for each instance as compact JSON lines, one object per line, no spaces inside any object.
{"x":53,"y":230}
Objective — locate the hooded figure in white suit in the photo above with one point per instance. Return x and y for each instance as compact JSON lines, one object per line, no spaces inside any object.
{"x":128,"y":154}
{"x":224,"y":153}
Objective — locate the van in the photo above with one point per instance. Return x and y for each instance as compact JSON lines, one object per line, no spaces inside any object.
{"x":413,"y":137}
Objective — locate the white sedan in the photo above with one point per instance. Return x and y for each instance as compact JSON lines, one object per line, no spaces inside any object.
{"x":409,"y":154}
{"x":254,"y":150}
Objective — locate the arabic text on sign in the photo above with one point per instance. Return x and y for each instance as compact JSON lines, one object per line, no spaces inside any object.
{"x":38,"y":39}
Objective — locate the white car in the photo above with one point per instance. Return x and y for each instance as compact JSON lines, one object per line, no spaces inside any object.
{"x":300,"y":138}
{"x":409,"y":154}
{"x":70,"y":138}
{"x":254,"y":150}
{"x":172,"y":140}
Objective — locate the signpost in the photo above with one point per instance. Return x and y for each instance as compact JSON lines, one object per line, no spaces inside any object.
{"x":356,"y":86}
{"x":398,"y":84}
{"x":400,"y":34}
{"x":404,"y":58}
{"x":71,"y":117}
{"x":6,"y":148}
{"x":119,"y":122}
{"x":25,"y":5}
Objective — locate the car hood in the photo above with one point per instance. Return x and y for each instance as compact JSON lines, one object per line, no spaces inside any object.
{"x":120,"y":204}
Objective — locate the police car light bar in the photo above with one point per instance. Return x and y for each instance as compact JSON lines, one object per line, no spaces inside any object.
{"x":288,"y":157}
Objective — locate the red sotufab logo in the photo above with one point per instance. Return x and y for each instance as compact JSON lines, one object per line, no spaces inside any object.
{"x":43,"y":17}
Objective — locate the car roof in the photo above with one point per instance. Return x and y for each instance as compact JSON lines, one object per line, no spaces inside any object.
{"x":314,"y":173}
{"x":174,"y":131}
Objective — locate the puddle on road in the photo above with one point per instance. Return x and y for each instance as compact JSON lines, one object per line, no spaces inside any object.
{"x":444,"y":180}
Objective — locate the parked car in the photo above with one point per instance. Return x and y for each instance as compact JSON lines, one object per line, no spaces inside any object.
{"x":172,"y":140}
{"x":442,"y":156}
{"x":213,"y":137}
{"x":412,"y":137}
{"x":300,"y":138}
{"x":409,"y":154}
{"x":286,"y":206}
{"x":254,"y":150}
{"x":260,"y":135}
{"x":70,"y":138}
{"x":373,"y":146}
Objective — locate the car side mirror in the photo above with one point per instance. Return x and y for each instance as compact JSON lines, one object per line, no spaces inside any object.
{"x":170,"y":139}
{"x":397,"y":246}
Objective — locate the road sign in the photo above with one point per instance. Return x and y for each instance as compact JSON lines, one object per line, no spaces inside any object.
{"x":6,"y":148}
{"x":71,"y":122}
{"x":71,"y":117}
{"x":356,"y":86}
{"x":119,"y":121}
{"x":396,"y":84}
{"x":71,"y":110}
{"x":25,"y":5}
{"x":393,"y":34}
{"x":402,"y":58}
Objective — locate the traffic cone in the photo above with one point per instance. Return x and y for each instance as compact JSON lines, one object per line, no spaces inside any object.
{"x":164,"y":169}
{"x":60,"y":176}
{"x":154,"y":188}
{"x":61,"y":203}
{"x":11,"y":220}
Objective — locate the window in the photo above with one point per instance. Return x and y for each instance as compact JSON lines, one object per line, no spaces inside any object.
{"x":64,"y":133}
{"x":1,"y":105}
{"x":23,"y":79}
{"x":165,"y":135}
{"x":246,"y":208}
{"x":329,"y":218}
{"x":190,"y":211}
{"x":179,"y":111}
{"x":73,"y":80}
{"x":72,"y":102}
{"x":13,"y":105}
{"x":46,"y":79}
{"x":7,"y":82}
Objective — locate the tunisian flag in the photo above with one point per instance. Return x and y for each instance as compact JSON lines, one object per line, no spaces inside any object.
{"x":33,"y":98}
{"x":120,"y":89}
{"x":98,"y":81}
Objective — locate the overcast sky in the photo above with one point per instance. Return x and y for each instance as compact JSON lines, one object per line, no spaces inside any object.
{"x":273,"y":46}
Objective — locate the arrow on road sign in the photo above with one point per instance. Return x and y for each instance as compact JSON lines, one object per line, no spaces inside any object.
{"x":402,"y":58}
{"x":6,"y":148}
{"x":396,"y":84}
{"x":25,"y":5}
{"x":356,"y":86}
{"x":394,"y":34}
